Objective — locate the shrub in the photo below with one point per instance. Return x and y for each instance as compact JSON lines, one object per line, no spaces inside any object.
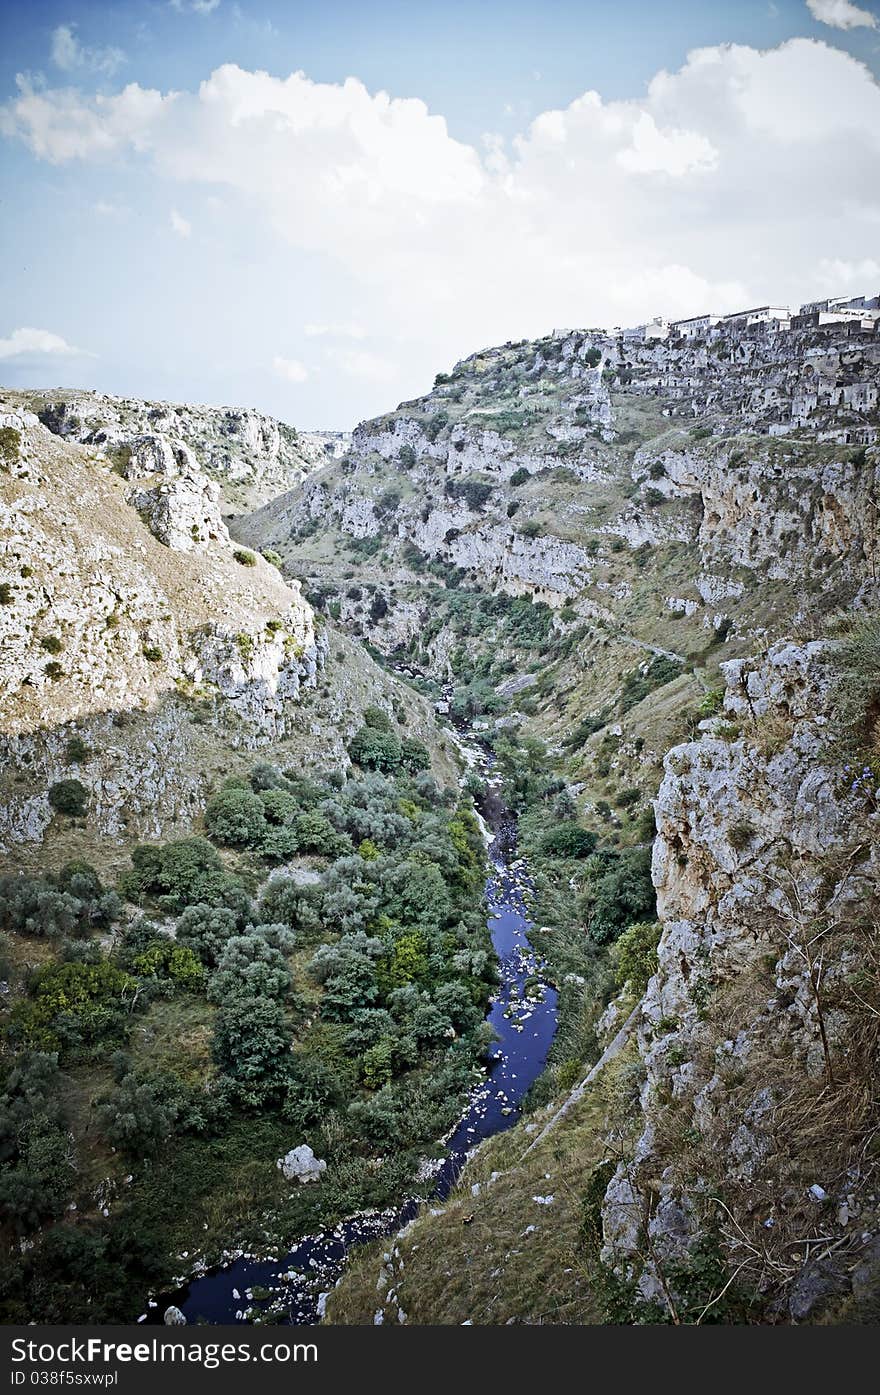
{"x":519,"y":476}
{"x":568,"y":840}
{"x":76,"y":752}
{"x":377,"y":1065}
{"x":593,"y":357}
{"x":235,"y":817}
{"x":636,"y":955}
{"x":476,"y":493}
{"x":244,"y":558}
{"x":206,"y":929}
{"x":621,"y":893}
{"x":54,"y":671}
{"x":180,"y":874}
{"x":653,"y":497}
{"x":140,"y":1115}
{"x":740,"y":834}
{"x":151,"y":653}
{"x":52,"y":644}
{"x":414,"y":756}
{"x":375,"y":750}
{"x":71,"y":1004}
{"x":626,"y":798}
{"x":638,"y":684}
{"x":273,"y":558}
{"x":582,"y":732}
{"x":10,"y":445}
{"x":252,"y":1047}
{"x":69,"y":797}
{"x":7,"y":593}
{"x":250,"y":967}
{"x":165,"y":959}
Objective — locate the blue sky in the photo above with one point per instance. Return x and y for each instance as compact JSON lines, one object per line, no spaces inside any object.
{"x":187,"y":220}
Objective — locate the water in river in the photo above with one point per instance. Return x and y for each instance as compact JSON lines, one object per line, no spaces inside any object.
{"x":523,"y":1015}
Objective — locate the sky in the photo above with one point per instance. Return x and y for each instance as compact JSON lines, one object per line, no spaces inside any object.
{"x":313,"y":208}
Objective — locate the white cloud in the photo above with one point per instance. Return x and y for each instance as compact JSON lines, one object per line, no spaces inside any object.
{"x":26,"y":342}
{"x":834,"y":273}
{"x":344,"y":330}
{"x":359,"y":363}
{"x":199,"y":7}
{"x":291,"y":369}
{"x":71,"y":56}
{"x":182,"y":226}
{"x":726,"y":182}
{"x":840,"y":14}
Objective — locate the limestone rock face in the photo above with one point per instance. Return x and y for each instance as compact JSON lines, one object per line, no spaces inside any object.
{"x":241,"y":449}
{"x":120,"y":635}
{"x":183,"y":512}
{"x":301,"y":1165}
{"x":747,"y":461}
{"x":748,"y":830}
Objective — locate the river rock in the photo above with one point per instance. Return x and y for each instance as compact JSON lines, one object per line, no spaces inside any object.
{"x":174,"y":1317}
{"x":300,"y":1164}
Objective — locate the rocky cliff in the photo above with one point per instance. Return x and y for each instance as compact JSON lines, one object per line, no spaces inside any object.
{"x":142,"y":651}
{"x":251,"y":456}
{"x":758,"y":1030}
{"x":659,"y":486}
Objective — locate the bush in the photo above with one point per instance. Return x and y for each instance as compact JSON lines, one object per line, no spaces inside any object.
{"x":251,"y":1047}
{"x":10,"y":445}
{"x":179,"y":874}
{"x":273,"y":558}
{"x":52,"y":644}
{"x":235,"y":817}
{"x":244,"y":558}
{"x":476,"y":493}
{"x":593,"y":357}
{"x":568,"y":840}
{"x":638,"y":684}
{"x":70,"y":1005}
{"x":176,"y":962}
{"x":151,"y":653}
{"x":621,"y":893}
{"x":206,"y":929}
{"x":69,"y":797}
{"x":375,"y":750}
{"x":636,"y":955}
{"x":76,"y":752}
{"x":249,"y":967}
{"x":140,"y":1115}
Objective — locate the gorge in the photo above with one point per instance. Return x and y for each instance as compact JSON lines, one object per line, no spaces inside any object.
{"x":236,"y":659}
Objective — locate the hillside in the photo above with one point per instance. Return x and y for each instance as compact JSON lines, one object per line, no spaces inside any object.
{"x":600,"y":550}
{"x":641,"y":575}
{"x":144,"y":655}
{"x":252,"y":456}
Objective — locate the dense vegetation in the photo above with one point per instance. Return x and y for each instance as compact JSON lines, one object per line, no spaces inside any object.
{"x":338,"y":1001}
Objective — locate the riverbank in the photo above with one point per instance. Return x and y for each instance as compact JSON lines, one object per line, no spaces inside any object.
{"x":522,"y":1014}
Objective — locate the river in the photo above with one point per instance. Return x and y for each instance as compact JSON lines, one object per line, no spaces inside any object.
{"x":291,"y":1286}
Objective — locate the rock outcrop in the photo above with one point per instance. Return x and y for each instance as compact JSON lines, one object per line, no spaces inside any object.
{"x":251,"y":455}
{"x":766,"y":868}
{"x":106,"y":624}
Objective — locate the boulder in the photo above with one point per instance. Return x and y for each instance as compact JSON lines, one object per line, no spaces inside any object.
{"x":174,"y":1317}
{"x":301,"y":1165}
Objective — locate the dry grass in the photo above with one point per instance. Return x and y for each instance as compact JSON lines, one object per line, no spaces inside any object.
{"x":500,"y":1256}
